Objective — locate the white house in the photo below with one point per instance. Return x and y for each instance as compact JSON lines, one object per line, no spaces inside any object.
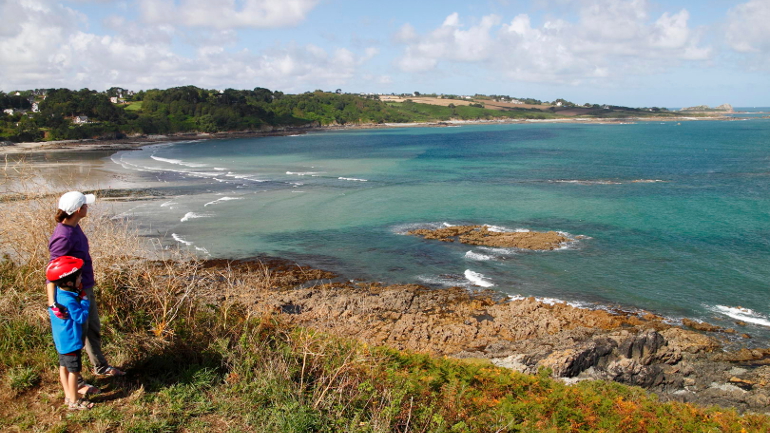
{"x":79,"y":120}
{"x":8,"y":111}
{"x":35,"y":107}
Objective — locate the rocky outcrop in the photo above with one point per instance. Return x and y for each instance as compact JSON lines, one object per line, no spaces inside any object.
{"x":526,"y":335}
{"x":481,"y":235}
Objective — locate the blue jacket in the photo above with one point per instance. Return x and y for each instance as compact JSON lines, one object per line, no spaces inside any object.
{"x":68,"y":333}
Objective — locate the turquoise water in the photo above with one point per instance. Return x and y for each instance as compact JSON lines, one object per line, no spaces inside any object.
{"x":676,"y":217}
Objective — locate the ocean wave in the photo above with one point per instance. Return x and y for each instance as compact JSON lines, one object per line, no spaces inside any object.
{"x":554,"y":301}
{"x":743,"y":314}
{"x":353,"y":179}
{"x":180,"y":239}
{"x":192,"y":215}
{"x":402,"y":229}
{"x":586,"y":182}
{"x":249,"y":177}
{"x":304,"y":173}
{"x":221,"y":200}
{"x":169,"y":204}
{"x":477,"y":279}
{"x":447,"y":280}
{"x":471,"y":255}
{"x":178,"y":162}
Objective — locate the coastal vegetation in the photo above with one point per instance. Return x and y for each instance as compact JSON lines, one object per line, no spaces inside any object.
{"x":63,"y":114}
{"x":201,"y":357}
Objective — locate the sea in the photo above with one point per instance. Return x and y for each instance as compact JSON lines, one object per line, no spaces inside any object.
{"x":664,"y":216}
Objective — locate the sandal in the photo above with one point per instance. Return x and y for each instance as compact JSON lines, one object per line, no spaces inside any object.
{"x":80,"y":404}
{"x":88,"y":389}
{"x":110,"y":371}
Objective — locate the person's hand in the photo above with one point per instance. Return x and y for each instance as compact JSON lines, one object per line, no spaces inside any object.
{"x":83,"y":294}
{"x":59,"y":311}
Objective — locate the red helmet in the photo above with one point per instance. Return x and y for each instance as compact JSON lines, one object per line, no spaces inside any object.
{"x":63,"y":266}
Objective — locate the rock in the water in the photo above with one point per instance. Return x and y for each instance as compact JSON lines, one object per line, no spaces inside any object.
{"x":481,"y":235}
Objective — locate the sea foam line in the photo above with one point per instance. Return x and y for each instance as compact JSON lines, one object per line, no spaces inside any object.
{"x":352,"y":179}
{"x":477,"y":279}
{"x":192,"y":215}
{"x":221,"y":200}
{"x":180,"y":239}
{"x":178,"y":162}
{"x":471,"y":255}
{"x":743,"y":314}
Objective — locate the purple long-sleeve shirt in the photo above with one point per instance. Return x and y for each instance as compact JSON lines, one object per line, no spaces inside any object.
{"x":71,"y":241}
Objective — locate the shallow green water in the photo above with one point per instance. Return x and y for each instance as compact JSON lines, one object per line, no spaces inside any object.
{"x":677,"y":216}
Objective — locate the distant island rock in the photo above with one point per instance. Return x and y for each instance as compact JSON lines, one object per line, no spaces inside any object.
{"x":725,"y":108}
{"x":481,"y":235}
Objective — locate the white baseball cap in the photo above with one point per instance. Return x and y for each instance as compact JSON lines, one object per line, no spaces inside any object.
{"x":74,"y":200}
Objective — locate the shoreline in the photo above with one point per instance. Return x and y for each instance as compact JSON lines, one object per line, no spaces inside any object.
{"x":677,"y":363}
{"x":134,"y":142}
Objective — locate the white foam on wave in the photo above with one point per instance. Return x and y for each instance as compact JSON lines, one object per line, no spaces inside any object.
{"x":178,"y":162}
{"x":743,"y":314}
{"x":169,"y":204}
{"x":192,"y":215}
{"x":443,"y":280}
{"x":220,"y":169}
{"x":352,"y":179}
{"x":402,"y":229}
{"x":477,"y":279}
{"x":554,"y":301}
{"x":248,"y":177}
{"x":180,"y":239}
{"x":471,"y":255}
{"x":304,"y":173}
{"x":219,"y":200}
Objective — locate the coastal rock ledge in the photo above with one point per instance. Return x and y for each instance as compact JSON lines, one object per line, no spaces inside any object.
{"x":481,"y":235}
{"x":642,"y":349}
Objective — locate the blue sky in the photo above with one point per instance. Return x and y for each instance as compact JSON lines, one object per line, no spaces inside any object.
{"x":625,"y":52}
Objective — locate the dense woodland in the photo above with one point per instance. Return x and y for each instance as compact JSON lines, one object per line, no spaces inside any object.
{"x":191,"y":109}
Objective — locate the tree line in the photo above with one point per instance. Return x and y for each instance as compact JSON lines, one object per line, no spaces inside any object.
{"x":64,"y":114}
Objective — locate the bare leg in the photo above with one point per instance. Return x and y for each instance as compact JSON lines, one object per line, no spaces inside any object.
{"x":64,"y":378}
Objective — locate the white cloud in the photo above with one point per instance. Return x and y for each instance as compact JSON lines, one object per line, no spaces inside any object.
{"x":748,"y":27}
{"x":610,"y":39}
{"x":51,"y":47}
{"x":448,"y":42}
{"x":225,"y":14}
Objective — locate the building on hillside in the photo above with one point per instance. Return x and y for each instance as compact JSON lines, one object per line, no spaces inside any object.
{"x":79,"y":120}
{"x":117,"y":100}
{"x":8,"y":111}
{"x":35,"y":107}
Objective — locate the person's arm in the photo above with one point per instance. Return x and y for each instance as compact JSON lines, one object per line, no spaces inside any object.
{"x":50,"y":289}
{"x":79,"y":311}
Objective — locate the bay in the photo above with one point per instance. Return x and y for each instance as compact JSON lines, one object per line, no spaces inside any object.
{"x":672,"y":217}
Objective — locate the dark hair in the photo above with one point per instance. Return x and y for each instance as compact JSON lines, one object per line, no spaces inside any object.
{"x":63,"y":282}
{"x":61,"y":215}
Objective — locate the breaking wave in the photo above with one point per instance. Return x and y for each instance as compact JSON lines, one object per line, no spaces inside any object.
{"x":477,"y":279}
{"x":221,"y":200}
{"x":192,"y":215}
{"x":743,"y":314}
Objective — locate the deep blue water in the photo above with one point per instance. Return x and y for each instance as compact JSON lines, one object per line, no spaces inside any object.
{"x":676,"y":216}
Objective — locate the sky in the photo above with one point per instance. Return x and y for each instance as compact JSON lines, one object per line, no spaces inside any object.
{"x":639,"y":53}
